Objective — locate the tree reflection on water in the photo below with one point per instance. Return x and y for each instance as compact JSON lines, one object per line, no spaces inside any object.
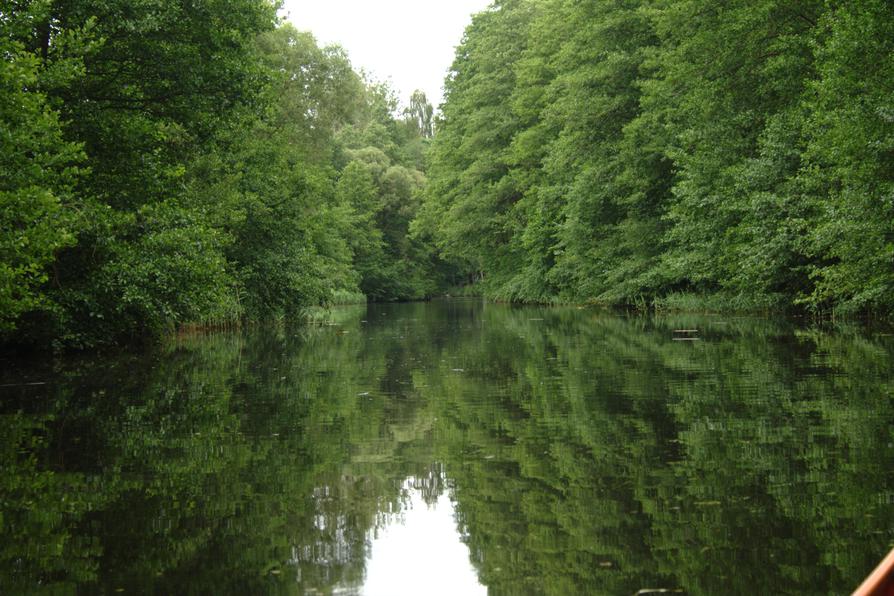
{"x":583,"y":453}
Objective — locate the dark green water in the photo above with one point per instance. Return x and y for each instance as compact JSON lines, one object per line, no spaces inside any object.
{"x":533,"y":451}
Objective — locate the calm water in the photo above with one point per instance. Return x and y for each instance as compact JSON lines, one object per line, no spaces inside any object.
{"x":455,"y":448}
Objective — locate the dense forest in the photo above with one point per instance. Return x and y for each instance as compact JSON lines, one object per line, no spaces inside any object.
{"x":672,"y":152}
{"x":169,"y":162}
{"x":165,"y":162}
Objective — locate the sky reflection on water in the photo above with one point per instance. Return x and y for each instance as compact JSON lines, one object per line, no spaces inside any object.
{"x":419,"y":551}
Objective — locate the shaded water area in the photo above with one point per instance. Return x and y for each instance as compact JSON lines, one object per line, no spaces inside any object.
{"x":455,"y":447}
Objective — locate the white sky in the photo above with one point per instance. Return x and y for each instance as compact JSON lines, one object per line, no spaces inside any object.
{"x":409,"y":42}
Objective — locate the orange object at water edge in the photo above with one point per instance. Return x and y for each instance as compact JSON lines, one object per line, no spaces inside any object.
{"x":881,"y":581}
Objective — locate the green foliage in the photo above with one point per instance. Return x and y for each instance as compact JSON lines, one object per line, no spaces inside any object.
{"x":620,"y":152}
{"x":357,"y":194}
{"x":169,"y":163}
{"x":734,"y":113}
{"x":420,"y":115}
{"x":38,"y":168}
{"x":174,"y":271}
{"x":142,"y":88}
{"x":282,"y":213}
{"x":850,"y":159}
{"x":380,"y":188}
{"x":470,"y":197}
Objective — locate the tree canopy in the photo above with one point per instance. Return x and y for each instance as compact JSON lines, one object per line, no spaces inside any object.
{"x":169,"y":162}
{"x":631,"y":152}
{"x":175,"y":162}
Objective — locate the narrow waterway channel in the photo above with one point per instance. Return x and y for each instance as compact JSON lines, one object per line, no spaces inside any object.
{"x":455,"y":447}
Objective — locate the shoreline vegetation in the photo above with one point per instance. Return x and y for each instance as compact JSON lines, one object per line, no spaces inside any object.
{"x":174,"y":165}
{"x":675,"y":154}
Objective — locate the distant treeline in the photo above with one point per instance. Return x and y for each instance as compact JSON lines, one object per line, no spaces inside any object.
{"x":737,"y":154}
{"x":165,"y":161}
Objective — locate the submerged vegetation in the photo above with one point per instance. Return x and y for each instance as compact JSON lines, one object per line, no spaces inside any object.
{"x":167,"y":162}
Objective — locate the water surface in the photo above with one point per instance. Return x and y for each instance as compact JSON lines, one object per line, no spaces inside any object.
{"x":455,"y":448}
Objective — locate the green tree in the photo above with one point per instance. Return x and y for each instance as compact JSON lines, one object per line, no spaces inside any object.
{"x":848,"y":170}
{"x":469,"y":201}
{"x":156,"y":84}
{"x":395,"y":263}
{"x":419,"y":114}
{"x":287,"y":251}
{"x":615,"y":181}
{"x":728,"y":83}
{"x":357,"y":192}
{"x":625,"y":151}
{"x":38,"y":167}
